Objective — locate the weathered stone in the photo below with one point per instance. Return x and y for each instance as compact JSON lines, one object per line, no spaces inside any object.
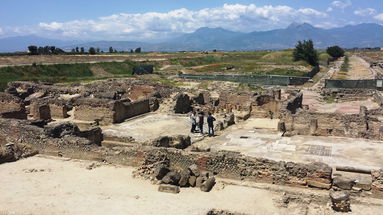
{"x":166,"y":188}
{"x":340,"y":201}
{"x":183,"y":104}
{"x":199,"y":99}
{"x":362,"y":181}
{"x":343,"y":182}
{"x":184,"y":180}
{"x":61,"y":129}
{"x":179,"y":142}
{"x":154,"y":104}
{"x":160,"y":172}
{"x":194,"y":170}
{"x":199,"y":181}
{"x":171,"y":178}
{"x":192,"y":181}
{"x":318,"y":184}
{"x":208,"y":184}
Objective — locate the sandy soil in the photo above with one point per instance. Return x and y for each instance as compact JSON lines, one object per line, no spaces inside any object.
{"x":41,"y":185}
{"x":45,"y":185}
{"x":359,"y":69}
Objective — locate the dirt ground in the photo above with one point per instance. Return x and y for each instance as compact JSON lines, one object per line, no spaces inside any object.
{"x":48,"y":185}
{"x":358,"y":69}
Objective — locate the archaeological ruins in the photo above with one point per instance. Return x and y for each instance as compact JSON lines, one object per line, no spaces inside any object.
{"x":326,"y":142}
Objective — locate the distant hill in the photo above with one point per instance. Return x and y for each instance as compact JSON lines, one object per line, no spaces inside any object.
{"x":350,"y":36}
{"x":21,"y":43}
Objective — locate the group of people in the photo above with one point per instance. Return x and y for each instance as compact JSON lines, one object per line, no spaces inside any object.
{"x":201,"y":120}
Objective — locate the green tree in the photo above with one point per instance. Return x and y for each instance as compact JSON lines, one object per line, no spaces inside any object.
{"x":304,"y":50}
{"x":335,"y":52}
{"x":137,"y":50}
{"x":33,"y":50}
{"x":111,"y":49}
{"x":82,"y":50}
{"x":92,"y":50}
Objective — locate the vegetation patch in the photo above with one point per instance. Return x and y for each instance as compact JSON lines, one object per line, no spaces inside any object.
{"x":283,"y":72}
{"x":189,"y":62}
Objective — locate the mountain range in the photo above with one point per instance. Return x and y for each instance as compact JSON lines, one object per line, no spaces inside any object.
{"x":350,"y":36}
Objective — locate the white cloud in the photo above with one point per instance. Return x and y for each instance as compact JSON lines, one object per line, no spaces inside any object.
{"x":365,"y":12}
{"x":153,"y":25}
{"x":330,"y":9}
{"x":342,"y":4}
{"x":379,"y":17}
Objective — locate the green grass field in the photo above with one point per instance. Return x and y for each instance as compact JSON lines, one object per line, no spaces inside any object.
{"x":63,"y":73}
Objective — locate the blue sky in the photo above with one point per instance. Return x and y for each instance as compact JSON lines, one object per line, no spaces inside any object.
{"x":160,"y":19}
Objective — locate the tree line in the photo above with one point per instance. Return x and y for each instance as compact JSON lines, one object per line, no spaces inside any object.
{"x":49,"y":50}
{"x":44,"y":50}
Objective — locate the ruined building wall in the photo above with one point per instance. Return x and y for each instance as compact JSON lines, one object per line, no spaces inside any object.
{"x":93,"y":109}
{"x":137,"y":108}
{"x":11,"y":107}
{"x":326,"y":124}
{"x":108,"y":111}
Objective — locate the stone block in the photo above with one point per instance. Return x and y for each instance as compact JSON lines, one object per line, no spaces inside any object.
{"x":318,"y":184}
{"x":166,"y":188}
{"x":340,"y":201}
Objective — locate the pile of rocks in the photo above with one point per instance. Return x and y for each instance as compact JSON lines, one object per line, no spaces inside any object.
{"x":160,"y":173}
{"x":12,"y":152}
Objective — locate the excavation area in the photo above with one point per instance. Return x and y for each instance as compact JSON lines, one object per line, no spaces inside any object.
{"x":184,"y":141}
{"x":51,"y":185}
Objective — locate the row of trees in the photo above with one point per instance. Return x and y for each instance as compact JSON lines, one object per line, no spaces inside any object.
{"x":304,"y":50}
{"x":46,"y":50}
{"x":137,"y":50}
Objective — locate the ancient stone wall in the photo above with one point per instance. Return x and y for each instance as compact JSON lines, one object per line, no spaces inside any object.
{"x":326,"y":124}
{"x":136,"y":108}
{"x":90,"y":109}
{"x":9,"y":103}
{"x":59,"y":111}
{"x":40,"y":111}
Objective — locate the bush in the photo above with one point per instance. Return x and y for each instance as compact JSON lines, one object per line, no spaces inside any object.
{"x":335,"y":52}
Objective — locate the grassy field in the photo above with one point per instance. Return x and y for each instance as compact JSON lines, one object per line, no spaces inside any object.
{"x":258,"y":62}
{"x":79,"y":69}
{"x":66,"y":73}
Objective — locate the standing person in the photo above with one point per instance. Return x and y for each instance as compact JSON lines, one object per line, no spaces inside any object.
{"x":210,"y":124}
{"x":193,"y":120}
{"x":201,"y":116}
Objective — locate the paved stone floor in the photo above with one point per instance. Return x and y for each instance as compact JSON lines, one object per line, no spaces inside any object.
{"x":251,"y":139}
{"x":148,"y":127}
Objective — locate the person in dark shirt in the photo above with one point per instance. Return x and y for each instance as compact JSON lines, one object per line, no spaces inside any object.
{"x":201,"y":117}
{"x":193,"y":121}
{"x":210,"y":124}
